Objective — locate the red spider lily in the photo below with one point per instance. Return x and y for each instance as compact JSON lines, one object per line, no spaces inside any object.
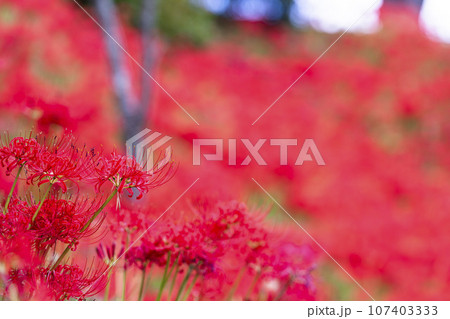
{"x":126,"y":173}
{"x":16,"y":222}
{"x":285,"y":267}
{"x":63,"y":283}
{"x":62,"y":161}
{"x":109,"y":254}
{"x":222,"y":227}
{"x":215,"y":234}
{"x":125,"y":223}
{"x":197,"y":250}
{"x":228,"y":220}
{"x":62,"y":220}
{"x":153,"y":250}
{"x":18,"y":152}
{"x":24,"y":280}
{"x":70,"y":281}
{"x":15,"y":237}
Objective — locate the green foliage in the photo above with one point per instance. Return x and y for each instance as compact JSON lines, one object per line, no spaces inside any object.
{"x":180,"y":20}
{"x":177,"y":20}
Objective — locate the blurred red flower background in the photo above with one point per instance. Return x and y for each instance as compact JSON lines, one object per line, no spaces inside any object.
{"x":377,"y":107}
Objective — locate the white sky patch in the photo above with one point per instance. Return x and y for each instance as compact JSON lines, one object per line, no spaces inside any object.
{"x":435,"y":19}
{"x":334,"y":16}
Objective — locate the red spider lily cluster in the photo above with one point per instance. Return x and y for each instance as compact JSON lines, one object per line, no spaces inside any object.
{"x":229,"y":250}
{"x":59,"y":283}
{"x":52,"y":212}
{"x":197,"y":254}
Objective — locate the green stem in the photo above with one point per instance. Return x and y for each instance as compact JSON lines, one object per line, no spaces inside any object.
{"x":40,"y":205}
{"x":65,"y":252}
{"x":141,"y":287}
{"x":236,"y":283}
{"x":183,"y":283}
{"x":88,"y":223}
{"x":106,"y":298}
{"x":252,"y":286}
{"x":8,"y":199}
{"x":174,"y":278}
{"x":171,"y":270}
{"x":188,"y":291}
{"x":164,"y":278}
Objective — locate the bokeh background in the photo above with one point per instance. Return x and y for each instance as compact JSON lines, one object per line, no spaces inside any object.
{"x":377,"y":105}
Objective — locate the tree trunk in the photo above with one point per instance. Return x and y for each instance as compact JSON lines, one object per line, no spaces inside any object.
{"x":132,"y":110}
{"x":148,"y":25}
